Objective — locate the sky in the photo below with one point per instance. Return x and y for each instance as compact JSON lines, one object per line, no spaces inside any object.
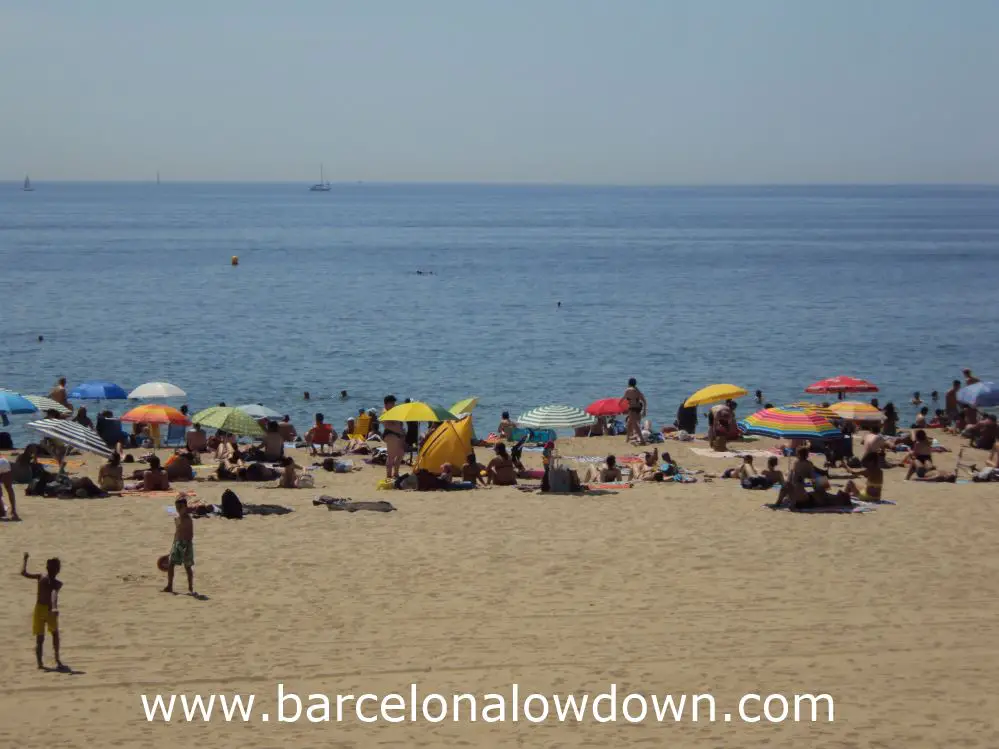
{"x":667,"y":92}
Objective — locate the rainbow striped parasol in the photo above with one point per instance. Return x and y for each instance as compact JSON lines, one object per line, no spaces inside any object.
{"x":789,"y":423}
{"x":825,"y":412}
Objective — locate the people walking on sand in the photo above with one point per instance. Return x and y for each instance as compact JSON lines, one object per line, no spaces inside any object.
{"x":637,"y":408}
{"x":7,"y":485}
{"x":182,"y":550}
{"x":46,"y":612}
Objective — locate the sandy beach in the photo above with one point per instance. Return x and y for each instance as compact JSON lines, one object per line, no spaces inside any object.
{"x":663,"y":588}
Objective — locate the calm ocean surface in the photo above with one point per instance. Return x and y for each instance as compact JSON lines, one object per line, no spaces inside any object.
{"x":769,"y":288}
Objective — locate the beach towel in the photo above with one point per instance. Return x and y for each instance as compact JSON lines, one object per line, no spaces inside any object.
{"x":153,"y":495}
{"x":873,"y":502}
{"x":54,"y":462}
{"x":584,"y":458}
{"x":342,"y":504}
{"x":610,"y":485}
{"x":822,"y":510}
{"x":534,"y":473}
{"x":709,"y":453}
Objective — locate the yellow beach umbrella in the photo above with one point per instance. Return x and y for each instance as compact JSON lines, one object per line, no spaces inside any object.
{"x":857,"y":411}
{"x":715,"y":394}
{"x":417,"y":412}
{"x":464,"y":406}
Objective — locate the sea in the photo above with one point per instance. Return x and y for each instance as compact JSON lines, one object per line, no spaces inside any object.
{"x":521,"y":295}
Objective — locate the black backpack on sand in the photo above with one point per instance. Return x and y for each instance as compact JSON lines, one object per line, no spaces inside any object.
{"x":232,"y":508}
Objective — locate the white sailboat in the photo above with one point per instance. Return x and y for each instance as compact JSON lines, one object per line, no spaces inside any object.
{"x":27,"y":184}
{"x":322,"y":185}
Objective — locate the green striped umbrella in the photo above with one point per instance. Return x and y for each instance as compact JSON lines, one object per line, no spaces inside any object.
{"x":228,"y":419}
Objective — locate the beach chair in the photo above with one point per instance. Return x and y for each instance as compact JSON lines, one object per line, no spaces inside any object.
{"x":361,"y":427}
{"x":176,"y":436}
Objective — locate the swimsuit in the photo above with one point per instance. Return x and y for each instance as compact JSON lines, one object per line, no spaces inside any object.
{"x":182,"y":553}
{"x":42,"y":617}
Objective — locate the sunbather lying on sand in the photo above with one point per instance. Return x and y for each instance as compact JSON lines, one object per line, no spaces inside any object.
{"x":606,"y":474}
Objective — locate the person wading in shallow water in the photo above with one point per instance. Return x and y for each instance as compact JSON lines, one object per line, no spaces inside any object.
{"x":637,"y":408}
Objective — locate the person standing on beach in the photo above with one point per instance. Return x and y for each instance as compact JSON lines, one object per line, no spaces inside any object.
{"x":46,"y":613}
{"x":58,"y":393}
{"x":637,"y":408}
{"x":182,"y":550}
{"x":7,"y":485}
{"x":394,"y":436}
{"x":969,"y":379}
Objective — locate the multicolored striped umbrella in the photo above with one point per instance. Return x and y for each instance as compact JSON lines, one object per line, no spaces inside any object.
{"x":788,"y":423}
{"x":824,"y":411}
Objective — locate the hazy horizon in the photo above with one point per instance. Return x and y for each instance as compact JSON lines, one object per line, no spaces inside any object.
{"x":668,"y":93}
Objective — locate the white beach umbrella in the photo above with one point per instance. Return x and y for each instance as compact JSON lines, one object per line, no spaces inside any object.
{"x":43,"y":403}
{"x":259,"y":411}
{"x":555,"y":417}
{"x":72,"y":434}
{"x":157,"y":390}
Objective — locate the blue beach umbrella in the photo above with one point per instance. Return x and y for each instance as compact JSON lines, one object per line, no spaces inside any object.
{"x":15,"y":403}
{"x":979,"y":395}
{"x":98,"y":390}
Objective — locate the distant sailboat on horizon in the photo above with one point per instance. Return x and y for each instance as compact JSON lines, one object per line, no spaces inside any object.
{"x":27,"y":184}
{"x":157,"y":177}
{"x":322,"y":185}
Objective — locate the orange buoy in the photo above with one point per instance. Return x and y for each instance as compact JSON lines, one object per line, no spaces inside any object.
{"x":235,"y":260}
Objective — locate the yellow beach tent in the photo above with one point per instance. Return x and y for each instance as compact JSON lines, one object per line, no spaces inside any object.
{"x":451,"y":442}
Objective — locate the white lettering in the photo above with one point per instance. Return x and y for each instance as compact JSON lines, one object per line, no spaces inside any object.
{"x":527,"y":707}
{"x":612,"y":698}
{"x":322,"y":715}
{"x":359,"y":713}
{"x":500,"y":706}
{"x":627,"y":714}
{"x":399,"y":704}
{"x":578,"y":708}
{"x":471,"y":713}
{"x":158,"y":706}
{"x":440,"y":701}
{"x":282,"y":698}
{"x":668,"y":705}
{"x":340,"y":699}
{"x":783,"y":703}
{"x":813,"y":700}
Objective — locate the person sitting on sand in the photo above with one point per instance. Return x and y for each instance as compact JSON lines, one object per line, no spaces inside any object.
{"x":608,"y":473}
{"x":320,"y":436}
{"x":287,"y":429}
{"x":196,"y":440}
{"x":794,"y":493}
{"x":82,"y":419}
{"x":272,"y":449}
{"x":501,"y":469}
{"x":155,"y":478}
{"x":110,"y":477}
{"x":26,"y":466}
{"x":473,"y":471}
{"x":921,"y":455}
{"x":748,"y":476}
{"x":180,"y":466}
{"x":289,"y":474}
{"x":506,"y":426}
{"x":939,"y":419}
{"x":991,"y":470}
{"x":874,"y":475}
{"x":983,"y":434}
{"x":648,"y":469}
{"x":772,"y":473}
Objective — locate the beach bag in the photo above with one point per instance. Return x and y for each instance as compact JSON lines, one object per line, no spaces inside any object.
{"x":232,"y":508}
{"x":560,"y":480}
{"x":306,"y":481}
{"x":6,"y":443}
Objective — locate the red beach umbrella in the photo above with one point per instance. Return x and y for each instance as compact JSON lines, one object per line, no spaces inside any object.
{"x":607,"y":407}
{"x":842,"y":384}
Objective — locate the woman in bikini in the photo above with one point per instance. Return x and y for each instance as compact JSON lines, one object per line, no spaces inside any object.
{"x":394,"y":436}
{"x":637,"y":407}
{"x":921,"y":455}
{"x":871,"y":471}
{"x":501,"y":469}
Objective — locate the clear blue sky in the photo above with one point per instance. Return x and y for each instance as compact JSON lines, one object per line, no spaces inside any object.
{"x":608,"y":91}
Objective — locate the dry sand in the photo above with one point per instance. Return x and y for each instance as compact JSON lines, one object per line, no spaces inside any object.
{"x":662,"y":588}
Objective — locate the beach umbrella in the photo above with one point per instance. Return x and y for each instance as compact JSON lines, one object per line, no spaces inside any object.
{"x":98,"y":390}
{"x":72,"y":434}
{"x":157,"y":390}
{"x":824,"y":411}
{"x":842,"y":384}
{"x":979,"y":395}
{"x":154,"y":413}
{"x":555,"y":417}
{"x":715,"y":394}
{"x":260,"y":411}
{"x":418,"y":411}
{"x":856,"y":411}
{"x":15,"y":403}
{"x":228,"y":419}
{"x":788,"y":423}
{"x":464,"y":406}
{"x":608,"y":407}
{"x":44,"y":403}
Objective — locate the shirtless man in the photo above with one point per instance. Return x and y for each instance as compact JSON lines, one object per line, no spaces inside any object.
{"x":748,"y":476}
{"x":637,"y":408}
{"x":609,"y":473}
{"x":506,"y":426}
{"x":950,"y":401}
{"x":155,"y":478}
{"x":649,"y":468}
{"x":472,"y":470}
{"x":46,"y":613}
{"x":289,"y":475}
{"x":182,"y":550}
{"x":969,"y":379}
{"x":287,"y":429}
{"x":772,"y":473}
{"x":197,"y":441}
{"x":58,"y":393}
{"x":7,"y":484}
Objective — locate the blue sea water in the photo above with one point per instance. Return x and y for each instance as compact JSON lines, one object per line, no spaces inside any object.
{"x":766,"y":287}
